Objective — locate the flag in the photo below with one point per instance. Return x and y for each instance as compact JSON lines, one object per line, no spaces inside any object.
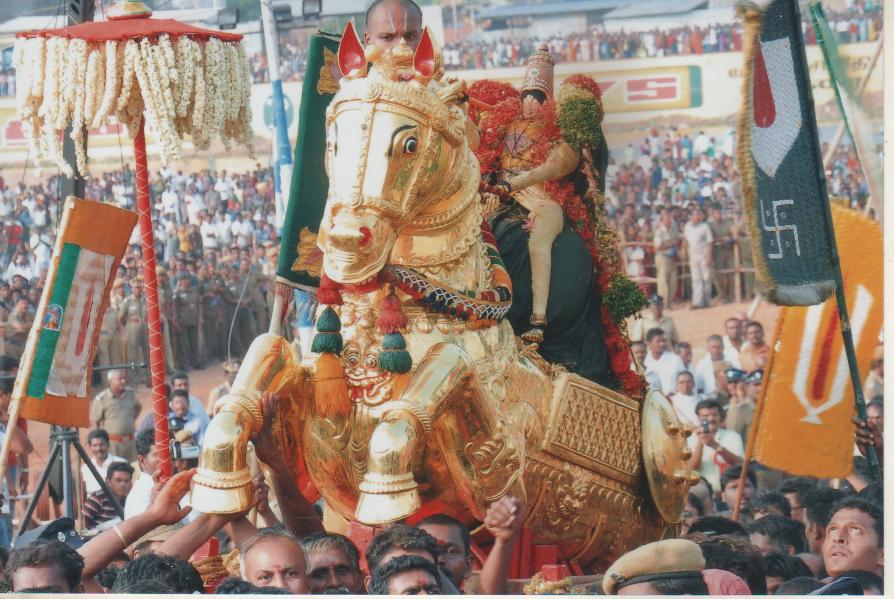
{"x":779,"y":161}
{"x":805,"y":422}
{"x":300,"y":260}
{"x":56,"y":367}
{"x":855,"y":118}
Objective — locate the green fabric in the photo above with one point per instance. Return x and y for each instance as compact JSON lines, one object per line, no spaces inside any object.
{"x":310,"y":185}
{"x":46,"y":345}
{"x":790,"y":207}
{"x":393,"y":341}
{"x":328,"y":322}
{"x":327,"y":343}
{"x":395,"y":360}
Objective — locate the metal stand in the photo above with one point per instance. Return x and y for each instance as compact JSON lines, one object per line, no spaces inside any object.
{"x":64,"y":438}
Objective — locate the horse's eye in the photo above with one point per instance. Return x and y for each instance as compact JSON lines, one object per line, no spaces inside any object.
{"x":410,"y":145}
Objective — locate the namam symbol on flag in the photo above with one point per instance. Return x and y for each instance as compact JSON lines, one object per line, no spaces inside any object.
{"x":813,"y":373}
{"x":777,"y":111}
{"x":67,"y":374}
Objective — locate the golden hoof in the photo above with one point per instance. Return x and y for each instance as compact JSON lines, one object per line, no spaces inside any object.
{"x":375,"y":510}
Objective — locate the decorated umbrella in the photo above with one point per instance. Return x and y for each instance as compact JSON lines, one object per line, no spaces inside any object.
{"x":180,"y":79}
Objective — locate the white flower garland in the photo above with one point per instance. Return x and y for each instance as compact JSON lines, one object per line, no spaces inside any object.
{"x":182,"y":86}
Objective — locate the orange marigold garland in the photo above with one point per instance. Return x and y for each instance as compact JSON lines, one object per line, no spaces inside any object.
{"x":584,"y":214}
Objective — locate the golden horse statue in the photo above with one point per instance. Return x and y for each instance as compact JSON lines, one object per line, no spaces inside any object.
{"x":480,"y":414}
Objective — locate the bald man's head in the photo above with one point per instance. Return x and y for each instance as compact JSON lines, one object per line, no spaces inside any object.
{"x":389,"y":21}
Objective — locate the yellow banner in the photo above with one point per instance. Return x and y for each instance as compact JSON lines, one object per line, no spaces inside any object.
{"x":805,"y":423}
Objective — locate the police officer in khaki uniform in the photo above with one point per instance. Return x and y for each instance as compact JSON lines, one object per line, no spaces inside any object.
{"x":111,"y":350}
{"x":165,"y":309}
{"x":655,"y":319}
{"x":115,"y":410}
{"x":722,"y":252}
{"x":186,"y":306}
{"x":650,"y":568}
{"x":257,"y":302}
{"x":667,"y":248}
{"x":132,"y":316}
{"x":211,"y":316}
{"x":240,"y":315}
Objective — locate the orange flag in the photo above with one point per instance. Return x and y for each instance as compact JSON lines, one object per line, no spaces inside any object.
{"x":56,"y":367}
{"x":805,"y":425}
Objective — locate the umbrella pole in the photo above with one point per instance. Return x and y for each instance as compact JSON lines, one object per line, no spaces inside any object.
{"x":150,"y":283}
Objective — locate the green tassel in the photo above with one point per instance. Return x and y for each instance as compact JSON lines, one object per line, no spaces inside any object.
{"x":327,"y":343}
{"x":398,"y":361}
{"x":393,"y":341}
{"x":328,"y":322}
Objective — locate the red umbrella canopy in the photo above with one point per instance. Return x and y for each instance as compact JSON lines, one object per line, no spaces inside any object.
{"x":186,"y":81}
{"x":131,"y":29}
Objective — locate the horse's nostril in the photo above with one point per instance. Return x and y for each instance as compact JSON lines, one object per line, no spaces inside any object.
{"x":365,"y":236}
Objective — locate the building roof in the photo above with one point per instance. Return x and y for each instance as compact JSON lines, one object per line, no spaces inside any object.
{"x":635,"y":10}
{"x":548,"y":8}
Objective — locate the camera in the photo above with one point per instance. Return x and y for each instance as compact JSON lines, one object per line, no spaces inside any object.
{"x":705,"y":425}
{"x":184,"y":452}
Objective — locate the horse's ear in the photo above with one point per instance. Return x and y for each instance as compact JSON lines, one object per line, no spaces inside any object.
{"x":351,"y":59}
{"x":426,"y":59}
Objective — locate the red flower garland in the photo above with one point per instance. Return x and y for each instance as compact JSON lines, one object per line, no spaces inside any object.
{"x":493,"y":126}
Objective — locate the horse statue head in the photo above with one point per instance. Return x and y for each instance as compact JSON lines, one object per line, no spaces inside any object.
{"x":398,"y":159}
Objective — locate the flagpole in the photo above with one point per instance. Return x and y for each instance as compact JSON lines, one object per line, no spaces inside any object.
{"x":864,"y":83}
{"x":847,"y":105}
{"x":751,"y":32}
{"x":751,"y":37}
{"x":840,"y":299}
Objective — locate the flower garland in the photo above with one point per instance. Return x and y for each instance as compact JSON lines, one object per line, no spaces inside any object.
{"x":183,"y":86}
{"x":584,"y":213}
{"x":485,"y":307}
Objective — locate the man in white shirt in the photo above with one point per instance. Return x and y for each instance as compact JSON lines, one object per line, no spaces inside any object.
{"x":141,"y":493}
{"x":98,"y":443}
{"x":684,"y":400}
{"x":699,"y":241}
{"x":705,"y":377}
{"x":666,"y":364}
{"x":180,"y":381}
{"x":713,"y":448}
{"x":208,"y":231}
{"x":733,"y":342}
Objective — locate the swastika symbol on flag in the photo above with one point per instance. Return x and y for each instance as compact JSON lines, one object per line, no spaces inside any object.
{"x":778,"y":229}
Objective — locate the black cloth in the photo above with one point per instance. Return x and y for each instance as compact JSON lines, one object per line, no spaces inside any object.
{"x":573,"y":336}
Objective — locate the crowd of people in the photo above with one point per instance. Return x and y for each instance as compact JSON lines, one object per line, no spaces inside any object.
{"x":862,"y":22}
{"x":765,"y":532}
{"x":790,"y":535}
{"x":216,"y":245}
{"x":675,"y":200}
{"x":217,"y":248}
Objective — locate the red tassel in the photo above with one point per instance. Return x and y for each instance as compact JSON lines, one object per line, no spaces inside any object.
{"x":392,"y":318}
{"x":328,"y":293}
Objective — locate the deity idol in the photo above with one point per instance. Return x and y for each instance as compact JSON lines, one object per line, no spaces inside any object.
{"x":552,"y":236}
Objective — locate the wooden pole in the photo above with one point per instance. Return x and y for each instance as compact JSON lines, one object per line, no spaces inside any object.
{"x":150,"y":283}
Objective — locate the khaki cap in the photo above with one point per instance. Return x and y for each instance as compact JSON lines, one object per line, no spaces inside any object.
{"x":671,"y":558}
